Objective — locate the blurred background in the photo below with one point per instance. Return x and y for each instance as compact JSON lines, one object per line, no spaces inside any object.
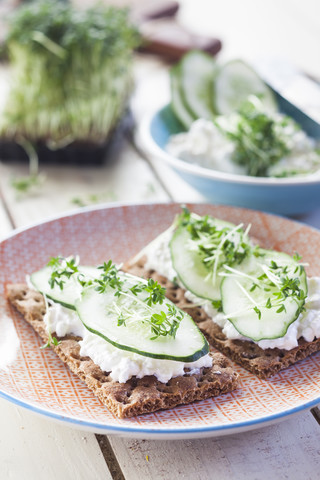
{"x":250,"y":29}
{"x":79,"y":126}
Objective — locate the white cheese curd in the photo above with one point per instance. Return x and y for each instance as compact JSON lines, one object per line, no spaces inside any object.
{"x":206,"y":146}
{"x":124,"y":364}
{"x":63,"y":321}
{"x":159,"y":255}
{"x":302,"y":157}
{"x":307,"y":324}
{"x":121,"y":364}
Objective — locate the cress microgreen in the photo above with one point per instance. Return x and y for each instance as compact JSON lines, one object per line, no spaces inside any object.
{"x":61,"y":267}
{"x":280,"y":281}
{"x":258,"y":137}
{"x":215,"y":244}
{"x":52,"y":341}
{"x":71,"y":72}
{"x":164,"y":324}
{"x":156,"y":292}
{"x":217,"y":304}
{"x":145,"y":294}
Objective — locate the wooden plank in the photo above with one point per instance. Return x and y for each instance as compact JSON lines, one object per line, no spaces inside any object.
{"x":287,"y":450}
{"x":5,"y":224}
{"x":126,"y":178}
{"x":316,"y":413}
{"x":178,"y":189}
{"x":33,"y":447}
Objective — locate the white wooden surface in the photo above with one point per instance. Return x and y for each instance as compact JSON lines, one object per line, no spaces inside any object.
{"x":287,"y":450}
{"x":34,"y":447}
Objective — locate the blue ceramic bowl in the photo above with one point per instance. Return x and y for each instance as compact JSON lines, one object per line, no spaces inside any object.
{"x":286,"y":196}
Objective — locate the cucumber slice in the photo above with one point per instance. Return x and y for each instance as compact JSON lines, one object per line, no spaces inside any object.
{"x":197,"y":75}
{"x":188,"y":262}
{"x":177,"y":104}
{"x":100,"y":315}
{"x":249,"y":308}
{"x":71,"y":289}
{"x":234,"y":83}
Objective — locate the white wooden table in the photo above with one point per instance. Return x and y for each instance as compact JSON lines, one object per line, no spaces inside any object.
{"x":34,"y":447}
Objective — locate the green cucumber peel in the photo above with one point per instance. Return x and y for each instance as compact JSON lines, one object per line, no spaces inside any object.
{"x":270,"y":289}
{"x":132,"y":303}
{"x":101,"y":317}
{"x":201,"y":246}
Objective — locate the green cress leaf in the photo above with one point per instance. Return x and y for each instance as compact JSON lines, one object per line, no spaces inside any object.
{"x":161,"y":324}
{"x":71,"y":72}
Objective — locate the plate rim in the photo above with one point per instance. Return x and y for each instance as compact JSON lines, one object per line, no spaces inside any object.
{"x":216,"y":430}
{"x":151,"y":431}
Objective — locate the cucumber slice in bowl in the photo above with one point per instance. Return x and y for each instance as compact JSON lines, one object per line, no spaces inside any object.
{"x":197,"y":72}
{"x":178,"y":106}
{"x":234,"y":83}
{"x":71,"y":290}
{"x":124,"y":321}
{"x":265,"y":296}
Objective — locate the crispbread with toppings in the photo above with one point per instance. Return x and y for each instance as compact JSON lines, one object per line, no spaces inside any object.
{"x":263,"y":363}
{"x":136,"y":396}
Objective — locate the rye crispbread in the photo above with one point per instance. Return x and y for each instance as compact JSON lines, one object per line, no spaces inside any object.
{"x":263,"y":363}
{"x":136,"y":396}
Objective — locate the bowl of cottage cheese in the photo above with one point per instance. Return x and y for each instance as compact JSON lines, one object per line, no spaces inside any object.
{"x":257,"y":160}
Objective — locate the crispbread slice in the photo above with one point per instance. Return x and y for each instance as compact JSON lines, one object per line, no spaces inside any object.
{"x":263,"y":363}
{"x":136,"y":396}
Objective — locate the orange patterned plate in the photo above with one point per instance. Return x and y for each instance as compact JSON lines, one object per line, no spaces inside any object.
{"x":37,"y":379}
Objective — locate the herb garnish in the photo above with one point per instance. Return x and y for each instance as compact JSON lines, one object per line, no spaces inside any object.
{"x":62,"y":267}
{"x":52,"y":341}
{"x":109,"y":277}
{"x":156,"y":292}
{"x":279,"y":280}
{"x":217,"y":304}
{"x":142,"y":294}
{"x":258,"y":137}
{"x":216,"y":245}
{"x":166,"y":323}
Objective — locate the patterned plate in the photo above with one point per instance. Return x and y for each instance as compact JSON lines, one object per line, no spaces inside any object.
{"x":38,"y":381}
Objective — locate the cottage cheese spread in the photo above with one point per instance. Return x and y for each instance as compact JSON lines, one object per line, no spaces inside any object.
{"x":206,"y":146}
{"x":121,"y":364}
{"x":63,"y":321}
{"x":124,"y":365}
{"x":307,"y":324}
